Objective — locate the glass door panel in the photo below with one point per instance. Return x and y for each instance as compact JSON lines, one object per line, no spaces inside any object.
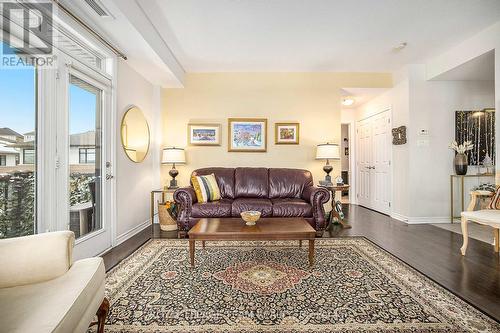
{"x":18,"y":150}
{"x":85,"y":157}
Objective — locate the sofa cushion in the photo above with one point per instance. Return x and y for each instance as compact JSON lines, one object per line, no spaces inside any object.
{"x":260,"y":204}
{"x":224,"y":177}
{"x":291,"y":207}
{"x":251,"y":183}
{"x":288,"y":183}
{"x":221,"y":208}
{"x":57,"y":305}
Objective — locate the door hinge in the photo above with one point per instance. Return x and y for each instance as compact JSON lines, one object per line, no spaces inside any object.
{"x":389,"y":121}
{"x":57,"y":75}
{"x":389,"y":204}
{"x":57,"y":162}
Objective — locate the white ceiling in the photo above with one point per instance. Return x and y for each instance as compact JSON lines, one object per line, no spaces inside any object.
{"x":313,"y":35}
{"x":481,"y":68}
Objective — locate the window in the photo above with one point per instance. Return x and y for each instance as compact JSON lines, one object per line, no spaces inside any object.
{"x":87,"y":155}
{"x":28,"y":156}
{"x":18,"y":87}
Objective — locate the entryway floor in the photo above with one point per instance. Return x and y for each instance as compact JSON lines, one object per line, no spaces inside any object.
{"x":431,"y":250}
{"x":480,"y":232}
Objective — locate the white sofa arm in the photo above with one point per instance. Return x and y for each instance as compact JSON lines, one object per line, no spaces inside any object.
{"x":37,"y":258}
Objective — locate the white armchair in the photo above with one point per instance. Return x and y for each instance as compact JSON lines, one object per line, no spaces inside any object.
{"x":42,"y":290}
{"x":489,"y":217}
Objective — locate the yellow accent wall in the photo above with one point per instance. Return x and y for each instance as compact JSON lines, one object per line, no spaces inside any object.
{"x":312,"y":99}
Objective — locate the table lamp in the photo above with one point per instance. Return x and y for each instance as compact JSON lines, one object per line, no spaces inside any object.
{"x":327,"y":151}
{"x":173,"y":156}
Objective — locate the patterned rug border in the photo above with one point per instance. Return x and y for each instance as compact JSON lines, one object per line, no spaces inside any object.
{"x":403,"y":327}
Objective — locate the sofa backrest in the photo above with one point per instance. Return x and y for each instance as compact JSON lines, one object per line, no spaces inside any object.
{"x":288,"y":183}
{"x":225,"y":179}
{"x":251,"y":183}
{"x":269,"y":183}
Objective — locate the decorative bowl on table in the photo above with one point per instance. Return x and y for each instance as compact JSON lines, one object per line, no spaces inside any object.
{"x":250,"y":216}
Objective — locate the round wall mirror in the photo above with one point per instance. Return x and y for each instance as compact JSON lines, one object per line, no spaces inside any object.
{"x":135,"y":134}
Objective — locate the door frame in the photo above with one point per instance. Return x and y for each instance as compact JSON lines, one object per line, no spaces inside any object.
{"x":381,"y":110}
{"x":69,"y":66}
{"x":352,"y":159}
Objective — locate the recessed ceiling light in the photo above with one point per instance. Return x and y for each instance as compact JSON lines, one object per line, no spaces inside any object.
{"x":347,"y":101}
{"x":400,"y":46}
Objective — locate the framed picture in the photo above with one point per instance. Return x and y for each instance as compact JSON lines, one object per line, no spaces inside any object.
{"x":286,"y":133}
{"x":247,"y":134}
{"x":204,"y":134}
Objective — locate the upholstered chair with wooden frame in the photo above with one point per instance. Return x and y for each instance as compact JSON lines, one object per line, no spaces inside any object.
{"x":489,"y":215}
{"x":42,"y":290}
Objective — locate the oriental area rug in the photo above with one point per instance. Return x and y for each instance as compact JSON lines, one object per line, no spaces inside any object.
{"x":354,"y":286}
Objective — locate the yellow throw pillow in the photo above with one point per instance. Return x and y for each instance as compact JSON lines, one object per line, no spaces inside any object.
{"x":206,"y":188}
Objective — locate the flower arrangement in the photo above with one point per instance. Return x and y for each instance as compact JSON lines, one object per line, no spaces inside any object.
{"x":463,"y":148}
{"x":167,"y":215}
{"x":171,"y":207}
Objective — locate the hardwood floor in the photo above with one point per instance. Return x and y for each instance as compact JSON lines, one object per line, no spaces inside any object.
{"x":432,"y":251}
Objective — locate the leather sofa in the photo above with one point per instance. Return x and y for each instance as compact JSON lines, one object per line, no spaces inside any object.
{"x":42,"y":290}
{"x":275,"y":192}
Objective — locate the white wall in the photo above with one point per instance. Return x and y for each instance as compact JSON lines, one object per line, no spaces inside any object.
{"x":134,"y":181}
{"x":432,"y":107}
{"x":421,"y":174}
{"x":485,"y":41}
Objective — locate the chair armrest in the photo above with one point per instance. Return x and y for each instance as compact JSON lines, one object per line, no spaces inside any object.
{"x":36,"y":258}
{"x":475,"y":197}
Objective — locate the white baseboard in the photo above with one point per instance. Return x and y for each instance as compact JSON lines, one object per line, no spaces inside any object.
{"x":428,"y":220}
{"x":420,"y":219}
{"x":399,"y":217}
{"x":132,"y":232}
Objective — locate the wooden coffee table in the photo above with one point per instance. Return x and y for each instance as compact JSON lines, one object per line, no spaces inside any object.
{"x":235,"y":229}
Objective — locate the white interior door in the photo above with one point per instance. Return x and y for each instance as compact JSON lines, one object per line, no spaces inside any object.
{"x":374,"y":162}
{"x":363,"y":164}
{"x":380,"y":171}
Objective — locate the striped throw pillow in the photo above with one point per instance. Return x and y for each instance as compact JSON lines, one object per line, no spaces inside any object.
{"x":495,"y":200}
{"x":206,"y":188}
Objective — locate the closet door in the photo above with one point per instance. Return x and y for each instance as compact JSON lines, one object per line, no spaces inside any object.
{"x":363,"y":164}
{"x":381,"y":163}
{"x":373,"y":162}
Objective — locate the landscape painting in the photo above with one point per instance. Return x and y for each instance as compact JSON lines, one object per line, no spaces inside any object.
{"x":247,"y":134}
{"x":204,"y":134}
{"x":286,"y":133}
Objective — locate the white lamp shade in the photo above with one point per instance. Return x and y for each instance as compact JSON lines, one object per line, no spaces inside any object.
{"x":327,"y":151}
{"x":173,"y":155}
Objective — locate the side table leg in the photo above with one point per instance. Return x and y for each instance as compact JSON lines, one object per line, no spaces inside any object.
{"x":311,"y":252}
{"x":300,"y":243}
{"x":191,"y":252}
{"x":496,"y":236}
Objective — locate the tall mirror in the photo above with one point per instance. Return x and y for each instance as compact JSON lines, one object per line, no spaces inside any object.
{"x":135,"y":134}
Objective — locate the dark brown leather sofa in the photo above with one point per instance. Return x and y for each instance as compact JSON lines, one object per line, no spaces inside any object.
{"x":275,"y":192}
